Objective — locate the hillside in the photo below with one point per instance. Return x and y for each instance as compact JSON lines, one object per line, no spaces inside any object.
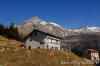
{"x":9,"y":43}
{"x":81,"y":43}
{"x":11,"y":54}
{"x":38,"y":57}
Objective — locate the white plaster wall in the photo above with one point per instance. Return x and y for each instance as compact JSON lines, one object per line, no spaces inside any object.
{"x":34,"y":44}
{"x":51,"y":41}
{"x":50,"y":45}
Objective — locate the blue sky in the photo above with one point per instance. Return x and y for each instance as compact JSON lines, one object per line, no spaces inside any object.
{"x":67,"y":13}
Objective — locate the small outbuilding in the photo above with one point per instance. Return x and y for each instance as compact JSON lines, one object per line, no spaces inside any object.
{"x":92,"y":54}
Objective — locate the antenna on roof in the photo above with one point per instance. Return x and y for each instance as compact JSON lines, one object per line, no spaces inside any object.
{"x":34,"y":26}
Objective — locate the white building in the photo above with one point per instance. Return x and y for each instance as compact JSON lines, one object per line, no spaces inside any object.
{"x":92,"y":54}
{"x":39,"y":39}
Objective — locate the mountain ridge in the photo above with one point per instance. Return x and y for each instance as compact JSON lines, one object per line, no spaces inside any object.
{"x":28,"y":25}
{"x":52,"y":28}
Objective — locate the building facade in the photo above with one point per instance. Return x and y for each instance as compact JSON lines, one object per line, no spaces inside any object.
{"x":38,"y":39}
{"x":92,"y":54}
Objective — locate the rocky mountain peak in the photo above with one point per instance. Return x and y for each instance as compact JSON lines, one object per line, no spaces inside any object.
{"x":85,"y":27}
{"x":53,"y":28}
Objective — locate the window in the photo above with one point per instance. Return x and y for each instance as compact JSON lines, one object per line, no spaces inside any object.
{"x":29,"y":47}
{"x":30,"y":40}
{"x":31,"y":35}
{"x":38,"y":47}
{"x":56,"y":48}
{"x":52,"y":47}
{"x":94,"y":58}
{"x":41,"y":43}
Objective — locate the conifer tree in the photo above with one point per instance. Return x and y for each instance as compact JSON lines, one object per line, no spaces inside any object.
{"x":2,"y":28}
{"x":10,"y":32}
{"x":13,"y":32}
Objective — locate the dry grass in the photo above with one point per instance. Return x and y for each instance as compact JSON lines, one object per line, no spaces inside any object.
{"x":4,"y":42}
{"x":38,"y":57}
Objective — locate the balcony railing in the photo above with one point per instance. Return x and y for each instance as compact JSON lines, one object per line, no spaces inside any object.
{"x":55,"y":43}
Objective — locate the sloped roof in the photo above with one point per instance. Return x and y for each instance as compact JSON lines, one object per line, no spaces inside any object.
{"x":92,"y":50}
{"x":44,"y":33}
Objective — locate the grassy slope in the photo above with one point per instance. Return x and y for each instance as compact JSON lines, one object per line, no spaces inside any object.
{"x":37,"y":57}
{"x":4,"y":42}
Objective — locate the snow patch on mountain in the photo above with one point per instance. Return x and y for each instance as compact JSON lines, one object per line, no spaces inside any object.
{"x":85,"y":29}
{"x":90,"y":29}
{"x":53,"y":28}
{"x":43,"y":23}
{"x":47,"y":27}
{"x":54,"y":24}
